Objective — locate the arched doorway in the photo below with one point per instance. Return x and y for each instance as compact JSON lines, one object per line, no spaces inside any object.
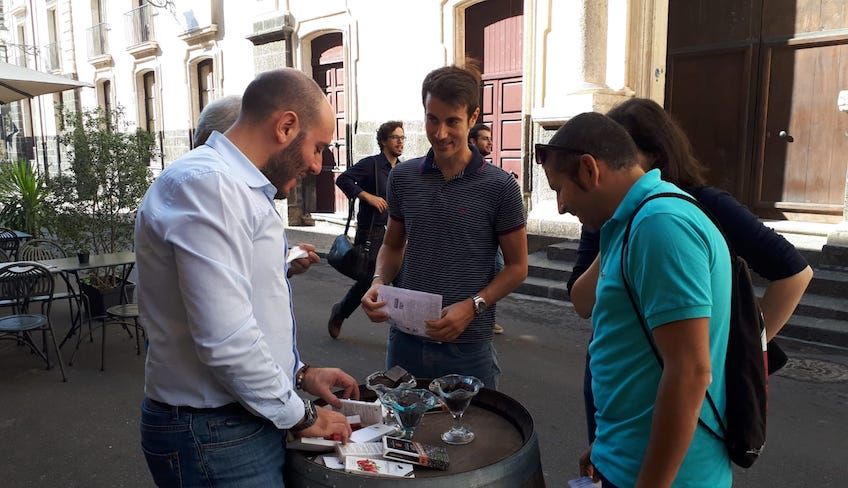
{"x":494,"y":35}
{"x":329,"y":72}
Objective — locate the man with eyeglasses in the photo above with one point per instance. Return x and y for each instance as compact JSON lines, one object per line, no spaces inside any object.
{"x":448,"y":213}
{"x":661,"y":316}
{"x":366,"y":181}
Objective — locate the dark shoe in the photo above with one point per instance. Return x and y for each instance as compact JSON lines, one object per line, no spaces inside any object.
{"x":334,"y":325}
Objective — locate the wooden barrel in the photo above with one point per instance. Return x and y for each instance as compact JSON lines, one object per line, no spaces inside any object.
{"x":504,"y":454}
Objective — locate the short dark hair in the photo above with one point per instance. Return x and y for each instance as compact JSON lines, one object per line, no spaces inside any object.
{"x":385,"y":130}
{"x":589,"y":133}
{"x":475,"y":131}
{"x":655,"y":132}
{"x":455,"y":86}
{"x":282,"y":89}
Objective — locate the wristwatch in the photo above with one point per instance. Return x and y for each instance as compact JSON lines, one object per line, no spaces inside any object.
{"x":479,"y":304}
{"x":310,"y":416}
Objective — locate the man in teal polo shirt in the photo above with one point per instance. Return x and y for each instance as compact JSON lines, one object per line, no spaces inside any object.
{"x":678,"y":267}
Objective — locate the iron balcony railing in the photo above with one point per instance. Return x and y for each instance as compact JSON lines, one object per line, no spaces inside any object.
{"x":51,"y":57}
{"x":20,"y":54}
{"x":139,"y":24}
{"x":98,"y":40}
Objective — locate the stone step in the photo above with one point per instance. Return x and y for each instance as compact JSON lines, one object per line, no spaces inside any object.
{"x":562,"y":251}
{"x":818,"y":306}
{"x":540,"y":266}
{"x":828,"y":331}
{"x":543,"y":287}
{"x":829,"y":282}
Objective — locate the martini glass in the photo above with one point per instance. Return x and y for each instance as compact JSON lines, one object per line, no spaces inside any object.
{"x":456,"y":392}
{"x":409,"y":406}
{"x":380,"y":384}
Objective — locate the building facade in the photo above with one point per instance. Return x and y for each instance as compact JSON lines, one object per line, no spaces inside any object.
{"x":542,"y":61}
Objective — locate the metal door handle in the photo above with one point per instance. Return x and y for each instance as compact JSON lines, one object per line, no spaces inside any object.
{"x":785,"y":136}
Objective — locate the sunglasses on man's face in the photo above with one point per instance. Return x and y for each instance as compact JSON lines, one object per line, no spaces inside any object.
{"x":545,"y":152}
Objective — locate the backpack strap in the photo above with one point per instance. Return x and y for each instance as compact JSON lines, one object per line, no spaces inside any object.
{"x":631,"y":295}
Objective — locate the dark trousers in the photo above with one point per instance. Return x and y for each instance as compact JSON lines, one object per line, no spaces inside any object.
{"x":589,"y":401}
{"x":353,"y":298}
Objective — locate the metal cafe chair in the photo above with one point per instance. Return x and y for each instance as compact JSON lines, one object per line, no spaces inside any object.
{"x":121,"y":314}
{"x":44,"y":249}
{"x":20,"y":282}
{"x":9,"y":242}
{"x":126,"y":315}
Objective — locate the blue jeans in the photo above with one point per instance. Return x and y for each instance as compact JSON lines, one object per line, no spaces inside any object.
{"x":428,"y":359}
{"x":224,"y":446}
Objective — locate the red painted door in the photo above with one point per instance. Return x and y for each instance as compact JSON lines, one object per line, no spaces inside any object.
{"x":328,"y":71}
{"x":494,"y":33}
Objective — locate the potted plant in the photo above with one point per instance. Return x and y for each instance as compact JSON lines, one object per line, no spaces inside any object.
{"x":24,"y":199}
{"x":95,"y":202}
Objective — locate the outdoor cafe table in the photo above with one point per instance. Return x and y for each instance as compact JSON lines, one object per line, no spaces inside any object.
{"x":504,"y":453}
{"x":72,"y":266}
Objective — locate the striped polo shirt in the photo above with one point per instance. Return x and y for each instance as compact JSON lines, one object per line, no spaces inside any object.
{"x":452,"y":229}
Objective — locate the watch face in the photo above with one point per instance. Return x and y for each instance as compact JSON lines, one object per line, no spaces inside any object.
{"x":479,"y":306}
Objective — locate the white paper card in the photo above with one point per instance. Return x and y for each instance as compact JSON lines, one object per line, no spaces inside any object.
{"x":333,"y":462}
{"x":369,"y":413}
{"x":372,"y":433}
{"x":296,"y":252}
{"x":409,"y":309}
{"x":376,"y":467}
{"x":314,"y":444}
{"x":372,"y":450}
{"x":583,"y":482}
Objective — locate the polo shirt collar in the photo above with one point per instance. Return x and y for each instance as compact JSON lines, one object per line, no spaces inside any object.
{"x":429,"y":162}
{"x":241,"y":167}
{"x":643,"y":186}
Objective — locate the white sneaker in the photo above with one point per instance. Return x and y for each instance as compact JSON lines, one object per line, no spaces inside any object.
{"x":497,"y":329}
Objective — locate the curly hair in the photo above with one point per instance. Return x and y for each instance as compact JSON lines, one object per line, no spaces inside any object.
{"x":385,"y":130}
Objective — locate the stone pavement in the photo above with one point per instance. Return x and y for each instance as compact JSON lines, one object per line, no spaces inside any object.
{"x":84,"y":433}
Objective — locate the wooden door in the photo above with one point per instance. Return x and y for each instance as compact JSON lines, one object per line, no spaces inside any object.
{"x":803,"y":138}
{"x":754,"y":85}
{"x":710,"y":84}
{"x":329,"y":72}
{"x":494,"y":33}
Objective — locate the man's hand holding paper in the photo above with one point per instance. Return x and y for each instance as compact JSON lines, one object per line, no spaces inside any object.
{"x":455,"y":318}
{"x":409,"y":310}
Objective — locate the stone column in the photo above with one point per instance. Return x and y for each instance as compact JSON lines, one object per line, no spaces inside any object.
{"x":574,"y":55}
{"x":835,"y":252}
{"x":592,"y":47}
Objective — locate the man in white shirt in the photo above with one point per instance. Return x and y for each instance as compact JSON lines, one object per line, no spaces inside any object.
{"x":222,"y":365}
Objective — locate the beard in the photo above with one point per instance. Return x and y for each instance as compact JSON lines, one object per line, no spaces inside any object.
{"x":285,"y":165}
{"x":395,"y":152}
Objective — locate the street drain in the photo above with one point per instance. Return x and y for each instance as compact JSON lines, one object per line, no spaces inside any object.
{"x":814,"y":370}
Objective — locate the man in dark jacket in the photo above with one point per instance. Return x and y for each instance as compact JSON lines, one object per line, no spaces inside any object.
{"x":366,"y":181}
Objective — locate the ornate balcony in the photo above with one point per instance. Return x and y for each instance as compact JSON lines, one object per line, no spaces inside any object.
{"x":98,"y":45}
{"x":141,"y":38}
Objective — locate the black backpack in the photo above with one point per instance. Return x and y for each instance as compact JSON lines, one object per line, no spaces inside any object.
{"x":746,"y":361}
